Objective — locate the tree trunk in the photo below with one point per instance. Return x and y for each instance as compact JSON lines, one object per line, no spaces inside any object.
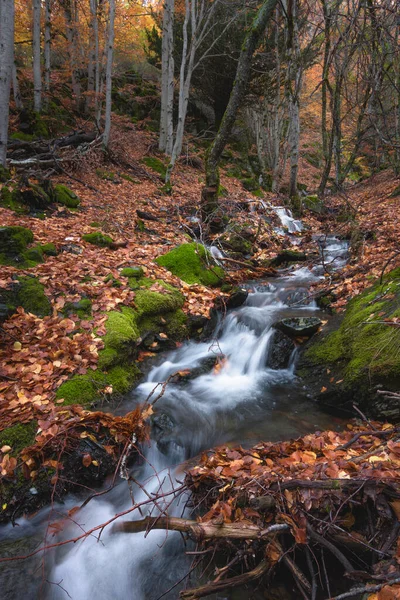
{"x":324,"y":99}
{"x":184,"y":83}
{"x":210,"y":192}
{"x":47,"y":46}
{"x":276,"y":126}
{"x":15,"y":84}
{"x":93,"y":65}
{"x":167,"y":79}
{"x":37,"y":71}
{"x":6,"y":65}
{"x":70,"y":11}
{"x":110,"y":47}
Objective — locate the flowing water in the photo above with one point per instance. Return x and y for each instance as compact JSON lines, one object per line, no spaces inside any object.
{"x":236,"y":397}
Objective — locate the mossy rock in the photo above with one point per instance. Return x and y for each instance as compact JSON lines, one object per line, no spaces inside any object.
{"x":8,"y":200}
{"x":82,"y":308}
{"x":14,"y":251}
{"x":236,"y":243}
{"x":313,"y":203}
{"x":135,"y":272}
{"x":288,"y":256}
{"x":32,"y":195}
{"x":156,"y":165}
{"x":49,"y":249}
{"x":63,"y":195}
{"x":121,"y":330}
{"x":149,"y":303}
{"x":5,"y":174}
{"x":250,"y":184}
{"x":98,"y":239}
{"x":193,"y":264}
{"x":361,"y":355}
{"x":30,"y":295}
{"x":22,"y":137}
{"x":19,"y":436}
{"x":87,"y":389}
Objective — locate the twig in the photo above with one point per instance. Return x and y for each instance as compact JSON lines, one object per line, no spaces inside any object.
{"x":364,"y":590}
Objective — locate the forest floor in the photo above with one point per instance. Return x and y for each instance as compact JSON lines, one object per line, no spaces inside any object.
{"x":38,"y":354}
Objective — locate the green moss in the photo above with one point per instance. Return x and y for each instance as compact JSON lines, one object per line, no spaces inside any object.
{"x":250,"y":184}
{"x":129,"y":178}
{"x":156,"y":165}
{"x":122,"y":378}
{"x":98,"y":239}
{"x":190,"y":262}
{"x":176,"y":325}
{"x":115,"y":282}
{"x":34,"y":254}
{"x":19,"y":436}
{"x":31,"y":297}
{"x":63,"y":195}
{"x":49,"y":249}
{"x":82,"y":308}
{"x":121,"y":330}
{"x":5,"y":174}
{"x":13,"y":248}
{"x":23,"y":137}
{"x":135,"y":272}
{"x":95,"y":224}
{"x":363,"y":345}
{"x":154,"y":303}
{"x":81,"y":389}
{"x":108,"y":357}
{"x":87,"y":389}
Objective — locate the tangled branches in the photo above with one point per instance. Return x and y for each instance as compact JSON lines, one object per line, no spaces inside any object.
{"x":323,"y":509}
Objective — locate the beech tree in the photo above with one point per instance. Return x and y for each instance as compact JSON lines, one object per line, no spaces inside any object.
{"x":37,"y":71}
{"x":110,"y":48}
{"x":6,"y":67}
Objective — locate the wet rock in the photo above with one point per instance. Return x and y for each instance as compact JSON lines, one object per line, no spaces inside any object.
{"x":196,"y":324}
{"x":299,"y":326}
{"x":163,"y":427}
{"x":236,"y":299}
{"x":288,"y":256}
{"x":281,"y":350}
{"x":206,"y":366}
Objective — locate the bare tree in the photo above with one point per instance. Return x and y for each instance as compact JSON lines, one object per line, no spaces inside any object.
{"x":110,"y":48}
{"x":167,"y":79}
{"x":47,"y":46}
{"x":37,"y":70}
{"x":6,"y":65}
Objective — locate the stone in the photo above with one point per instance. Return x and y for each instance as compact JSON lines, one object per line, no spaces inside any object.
{"x":299,"y":326}
{"x":282,"y":348}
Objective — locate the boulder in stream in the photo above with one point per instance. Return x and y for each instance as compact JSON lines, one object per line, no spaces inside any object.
{"x":282,"y":348}
{"x":299,"y":326}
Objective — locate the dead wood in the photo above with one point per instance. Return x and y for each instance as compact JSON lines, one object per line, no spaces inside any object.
{"x":217,"y":586}
{"x":200,"y":531}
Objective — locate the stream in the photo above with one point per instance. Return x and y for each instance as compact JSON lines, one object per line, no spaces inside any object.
{"x":236,"y":398}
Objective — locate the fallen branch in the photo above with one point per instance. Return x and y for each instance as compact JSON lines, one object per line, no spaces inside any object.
{"x":200,"y":531}
{"x":217,"y":586}
{"x":368,"y":589}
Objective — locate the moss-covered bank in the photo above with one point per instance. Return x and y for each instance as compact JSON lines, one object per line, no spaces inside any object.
{"x":153,"y":313}
{"x":193,"y":264}
{"x":349,"y":365}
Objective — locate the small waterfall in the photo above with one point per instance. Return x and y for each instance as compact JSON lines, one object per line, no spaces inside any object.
{"x":286,"y":218}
